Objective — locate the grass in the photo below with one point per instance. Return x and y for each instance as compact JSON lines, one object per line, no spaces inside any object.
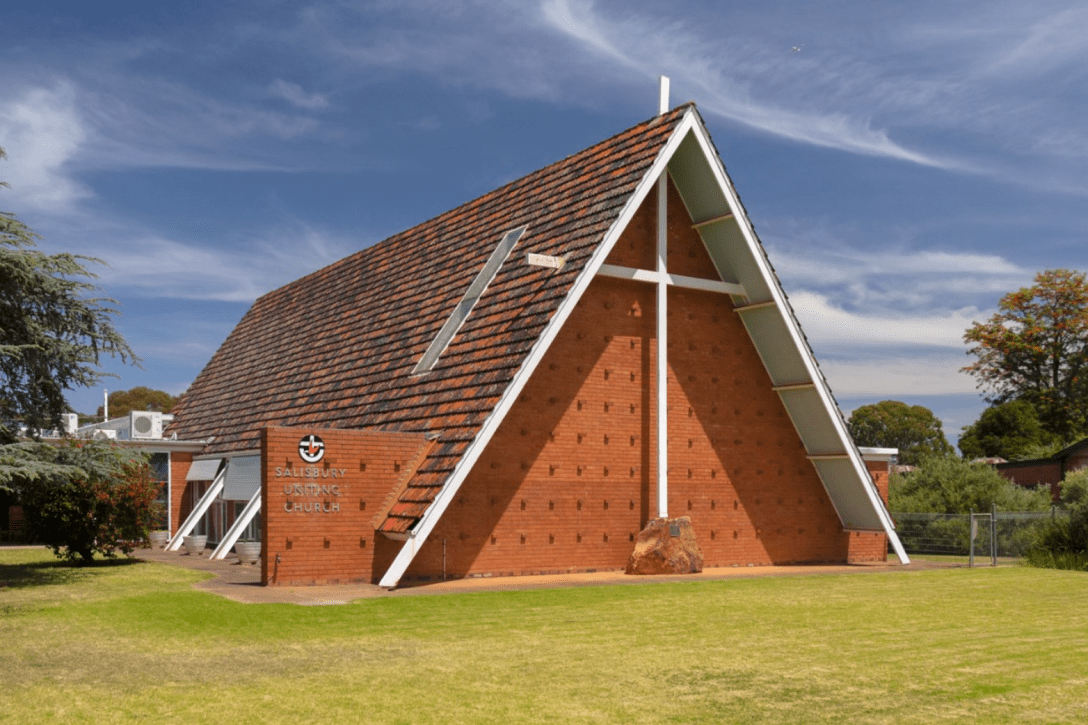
{"x":134,"y":642}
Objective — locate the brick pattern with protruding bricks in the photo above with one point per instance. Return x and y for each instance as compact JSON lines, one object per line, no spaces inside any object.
{"x":569,"y":479}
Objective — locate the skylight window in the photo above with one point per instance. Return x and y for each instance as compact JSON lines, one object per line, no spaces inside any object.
{"x":474,"y":292}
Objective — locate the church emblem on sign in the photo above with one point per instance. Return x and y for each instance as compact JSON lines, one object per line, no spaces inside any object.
{"x":311,"y":448}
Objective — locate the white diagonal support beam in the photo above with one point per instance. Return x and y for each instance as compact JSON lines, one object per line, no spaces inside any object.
{"x":714,"y":220}
{"x":235,"y":531}
{"x":672,"y":280}
{"x":199,"y":510}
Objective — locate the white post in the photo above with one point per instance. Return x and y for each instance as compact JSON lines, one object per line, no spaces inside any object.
{"x":662,"y":94}
{"x":662,"y":347}
{"x":105,"y":405}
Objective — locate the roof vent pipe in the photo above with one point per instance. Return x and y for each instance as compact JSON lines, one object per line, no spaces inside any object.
{"x":662,"y":95}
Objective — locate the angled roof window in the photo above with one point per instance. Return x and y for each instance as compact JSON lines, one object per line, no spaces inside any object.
{"x":474,"y":292}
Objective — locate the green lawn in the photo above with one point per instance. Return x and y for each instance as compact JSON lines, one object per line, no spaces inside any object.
{"x":132,"y":642}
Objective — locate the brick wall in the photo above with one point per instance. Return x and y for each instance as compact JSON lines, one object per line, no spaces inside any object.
{"x":869,"y":545}
{"x":180,"y":503}
{"x":327,"y":536}
{"x":1075,"y":461}
{"x":569,"y":478}
{"x":1042,"y":473}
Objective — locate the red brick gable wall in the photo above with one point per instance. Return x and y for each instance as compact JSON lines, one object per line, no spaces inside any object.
{"x":569,"y":478}
{"x":327,"y":536}
{"x":686,"y":254}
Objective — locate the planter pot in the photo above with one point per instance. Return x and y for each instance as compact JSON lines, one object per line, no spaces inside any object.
{"x":195,"y":544}
{"x":248,"y":552}
{"x":158,"y":539}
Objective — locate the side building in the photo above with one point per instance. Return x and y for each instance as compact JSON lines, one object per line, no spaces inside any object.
{"x":519,"y":385}
{"x":1047,"y":472}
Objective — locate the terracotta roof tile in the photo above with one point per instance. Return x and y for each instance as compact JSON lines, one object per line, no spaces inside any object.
{"x":337,"y":347}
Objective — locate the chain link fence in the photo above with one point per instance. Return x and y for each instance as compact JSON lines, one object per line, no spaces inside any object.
{"x":1002,"y":534}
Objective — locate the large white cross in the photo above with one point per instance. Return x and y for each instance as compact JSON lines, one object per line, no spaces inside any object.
{"x":661,"y":278}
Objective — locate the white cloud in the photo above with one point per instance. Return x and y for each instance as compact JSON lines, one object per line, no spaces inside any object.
{"x":294,"y":94}
{"x":903,"y":279}
{"x":893,"y":376}
{"x":153,"y":266}
{"x":828,"y":325}
{"x":992,"y":89}
{"x":42,"y":131}
{"x":165,"y":124}
{"x":1054,"y":42}
{"x":649,"y":46}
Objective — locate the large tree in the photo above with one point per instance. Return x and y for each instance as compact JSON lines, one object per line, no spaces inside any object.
{"x":53,"y":330}
{"x":139,"y":398}
{"x":913,"y":429}
{"x":1035,"y":348}
{"x":1009,"y":430}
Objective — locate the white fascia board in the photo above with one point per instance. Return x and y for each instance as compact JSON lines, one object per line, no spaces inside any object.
{"x":163,"y":445}
{"x":878,"y":454}
{"x":433,"y":514}
{"x":794,"y":328}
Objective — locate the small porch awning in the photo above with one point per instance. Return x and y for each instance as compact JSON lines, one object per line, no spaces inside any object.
{"x":243,"y":478}
{"x":204,"y":469}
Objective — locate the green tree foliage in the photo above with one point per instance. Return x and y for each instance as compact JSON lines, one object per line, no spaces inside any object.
{"x":913,"y":429}
{"x":1010,"y":430}
{"x":122,"y":402}
{"x":1035,"y":348}
{"x":81,"y":497}
{"x":52,"y":330}
{"x":951,"y":485}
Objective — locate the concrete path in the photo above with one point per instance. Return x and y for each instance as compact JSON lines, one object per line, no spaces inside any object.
{"x":242,"y":582}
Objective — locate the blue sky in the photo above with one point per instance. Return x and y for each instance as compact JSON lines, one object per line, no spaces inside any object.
{"x":907,"y":166}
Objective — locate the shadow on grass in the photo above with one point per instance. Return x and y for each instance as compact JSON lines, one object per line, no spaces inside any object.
{"x":45,"y":573}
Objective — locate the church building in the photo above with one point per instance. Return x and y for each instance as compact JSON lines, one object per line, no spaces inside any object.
{"x":519,"y":385}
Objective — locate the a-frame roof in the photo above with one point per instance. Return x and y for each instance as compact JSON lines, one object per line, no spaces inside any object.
{"x":338,"y":348}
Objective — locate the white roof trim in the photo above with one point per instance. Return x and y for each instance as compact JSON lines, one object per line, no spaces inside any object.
{"x":794,"y":329}
{"x":878,"y":454}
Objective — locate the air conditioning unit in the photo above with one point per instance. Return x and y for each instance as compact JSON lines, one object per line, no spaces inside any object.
{"x":145,"y":424}
{"x":104,"y":434}
{"x":71,"y":423}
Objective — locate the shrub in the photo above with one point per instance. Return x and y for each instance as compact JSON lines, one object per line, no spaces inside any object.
{"x":82,"y":497}
{"x":1062,"y":543}
{"x":951,"y":485}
